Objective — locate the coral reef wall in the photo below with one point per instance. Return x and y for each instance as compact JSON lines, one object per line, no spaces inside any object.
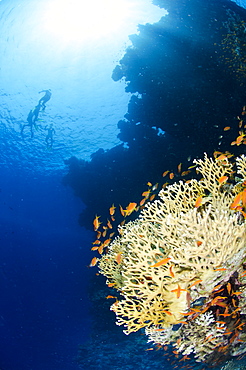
{"x":186,"y":86}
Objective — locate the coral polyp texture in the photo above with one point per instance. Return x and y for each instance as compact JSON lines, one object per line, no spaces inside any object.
{"x":180,"y":267}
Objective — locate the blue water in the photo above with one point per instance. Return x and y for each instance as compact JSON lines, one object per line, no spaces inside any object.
{"x":53,"y":311}
{"x":43,"y":274}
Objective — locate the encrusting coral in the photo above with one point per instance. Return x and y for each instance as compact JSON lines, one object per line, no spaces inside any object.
{"x":180,"y":266}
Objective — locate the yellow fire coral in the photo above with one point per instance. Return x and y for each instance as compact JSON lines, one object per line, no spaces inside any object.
{"x":180,"y":262}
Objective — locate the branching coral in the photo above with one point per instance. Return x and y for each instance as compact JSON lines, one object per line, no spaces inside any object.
{"x":180,"y":263}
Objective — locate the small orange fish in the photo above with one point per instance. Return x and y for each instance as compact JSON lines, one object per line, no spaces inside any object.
{"x":97,"y":242}
{"x":110,"y":296}
{"x":228,"y":287}
{"x":244,"y":198}
{"x":227,"y":128}
{"x":195,"y":283}
{"x":142,"y":201}
{"x":216,"y":153}
{"x":220,"y":269}
{"x":167,"y":312}
{"x":186,"y":313}
{"x":237,"y":293}
{"x":195,"y":310}
{"x":106,"y":242}
{"x":184,"y":173}
{"x":161,"y":262}
{"x":94,"y":248}
{"x":109,"y":224}
{"x":171,"y":271}
{"x":152,"y":197}
{"x":130,"y":208}
{"x":179,"y":167}
{"x":222,"y":179}
{"x":239,"y":139}
{"x":221,"y":322}
{"x":198,"y":202}
{"x":93,"y":262}
{"x":221,"y":157}
{"x":178,"y":291}
{"x":198,"y":243}
{"x":236,"y":200}
{"x":217,"y":299}
{"x":100,"y":249}
{"x":165,"y":173}
{"x":122,"y":211}
{"x":171,"y":175}
{"x":118,"y":258}
{"x":146,"y":193}
{"x":110,"y":284}
{"x":149,"y":183}
{"x":112,"y":210}
{"x":96,"y":223}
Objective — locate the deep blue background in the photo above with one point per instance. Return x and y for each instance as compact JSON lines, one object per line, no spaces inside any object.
{"x":43,"y":273}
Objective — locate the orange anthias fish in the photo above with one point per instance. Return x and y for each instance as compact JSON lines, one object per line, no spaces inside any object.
{"x":198,"y":202}
{"x":130,"y":208}
{"x":118,"y":258}
{"x":165,"y":173}
{"x":221,"y":157}
{"x":171,"y":175}
{"x":93,"y":262}
{"x":161,"y":262}
{"x":222,"y":179}
{"x":146,"y":193}
{"x":227,"y":128}
{"x":236,"y":200}
{"x":122,"y":211}
{"x":244,"y":198}
{"x":179,"y":167}
{"x":112,"y":210}
{"x":109,"y":224}
{"x":195,"y":283}
{"x":238,"y":140}
{"x":96,"y":223}
{"x":178,"y":291}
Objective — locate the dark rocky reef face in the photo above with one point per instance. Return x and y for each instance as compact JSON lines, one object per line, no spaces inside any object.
{"x":187,"y":74}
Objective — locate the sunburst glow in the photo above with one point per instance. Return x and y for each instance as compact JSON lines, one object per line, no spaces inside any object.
{"x":83,"y":19}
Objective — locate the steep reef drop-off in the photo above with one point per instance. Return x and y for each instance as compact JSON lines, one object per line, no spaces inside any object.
{"x":187,"y":77}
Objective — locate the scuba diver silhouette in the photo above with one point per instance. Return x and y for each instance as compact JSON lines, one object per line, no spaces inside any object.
{"x":49,"y":138}
{"x":31,"y":119}
{"x":45,"y":98}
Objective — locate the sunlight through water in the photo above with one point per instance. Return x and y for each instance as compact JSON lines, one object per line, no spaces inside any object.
{"x":84,"y":20}
{"x":72,"y":48}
